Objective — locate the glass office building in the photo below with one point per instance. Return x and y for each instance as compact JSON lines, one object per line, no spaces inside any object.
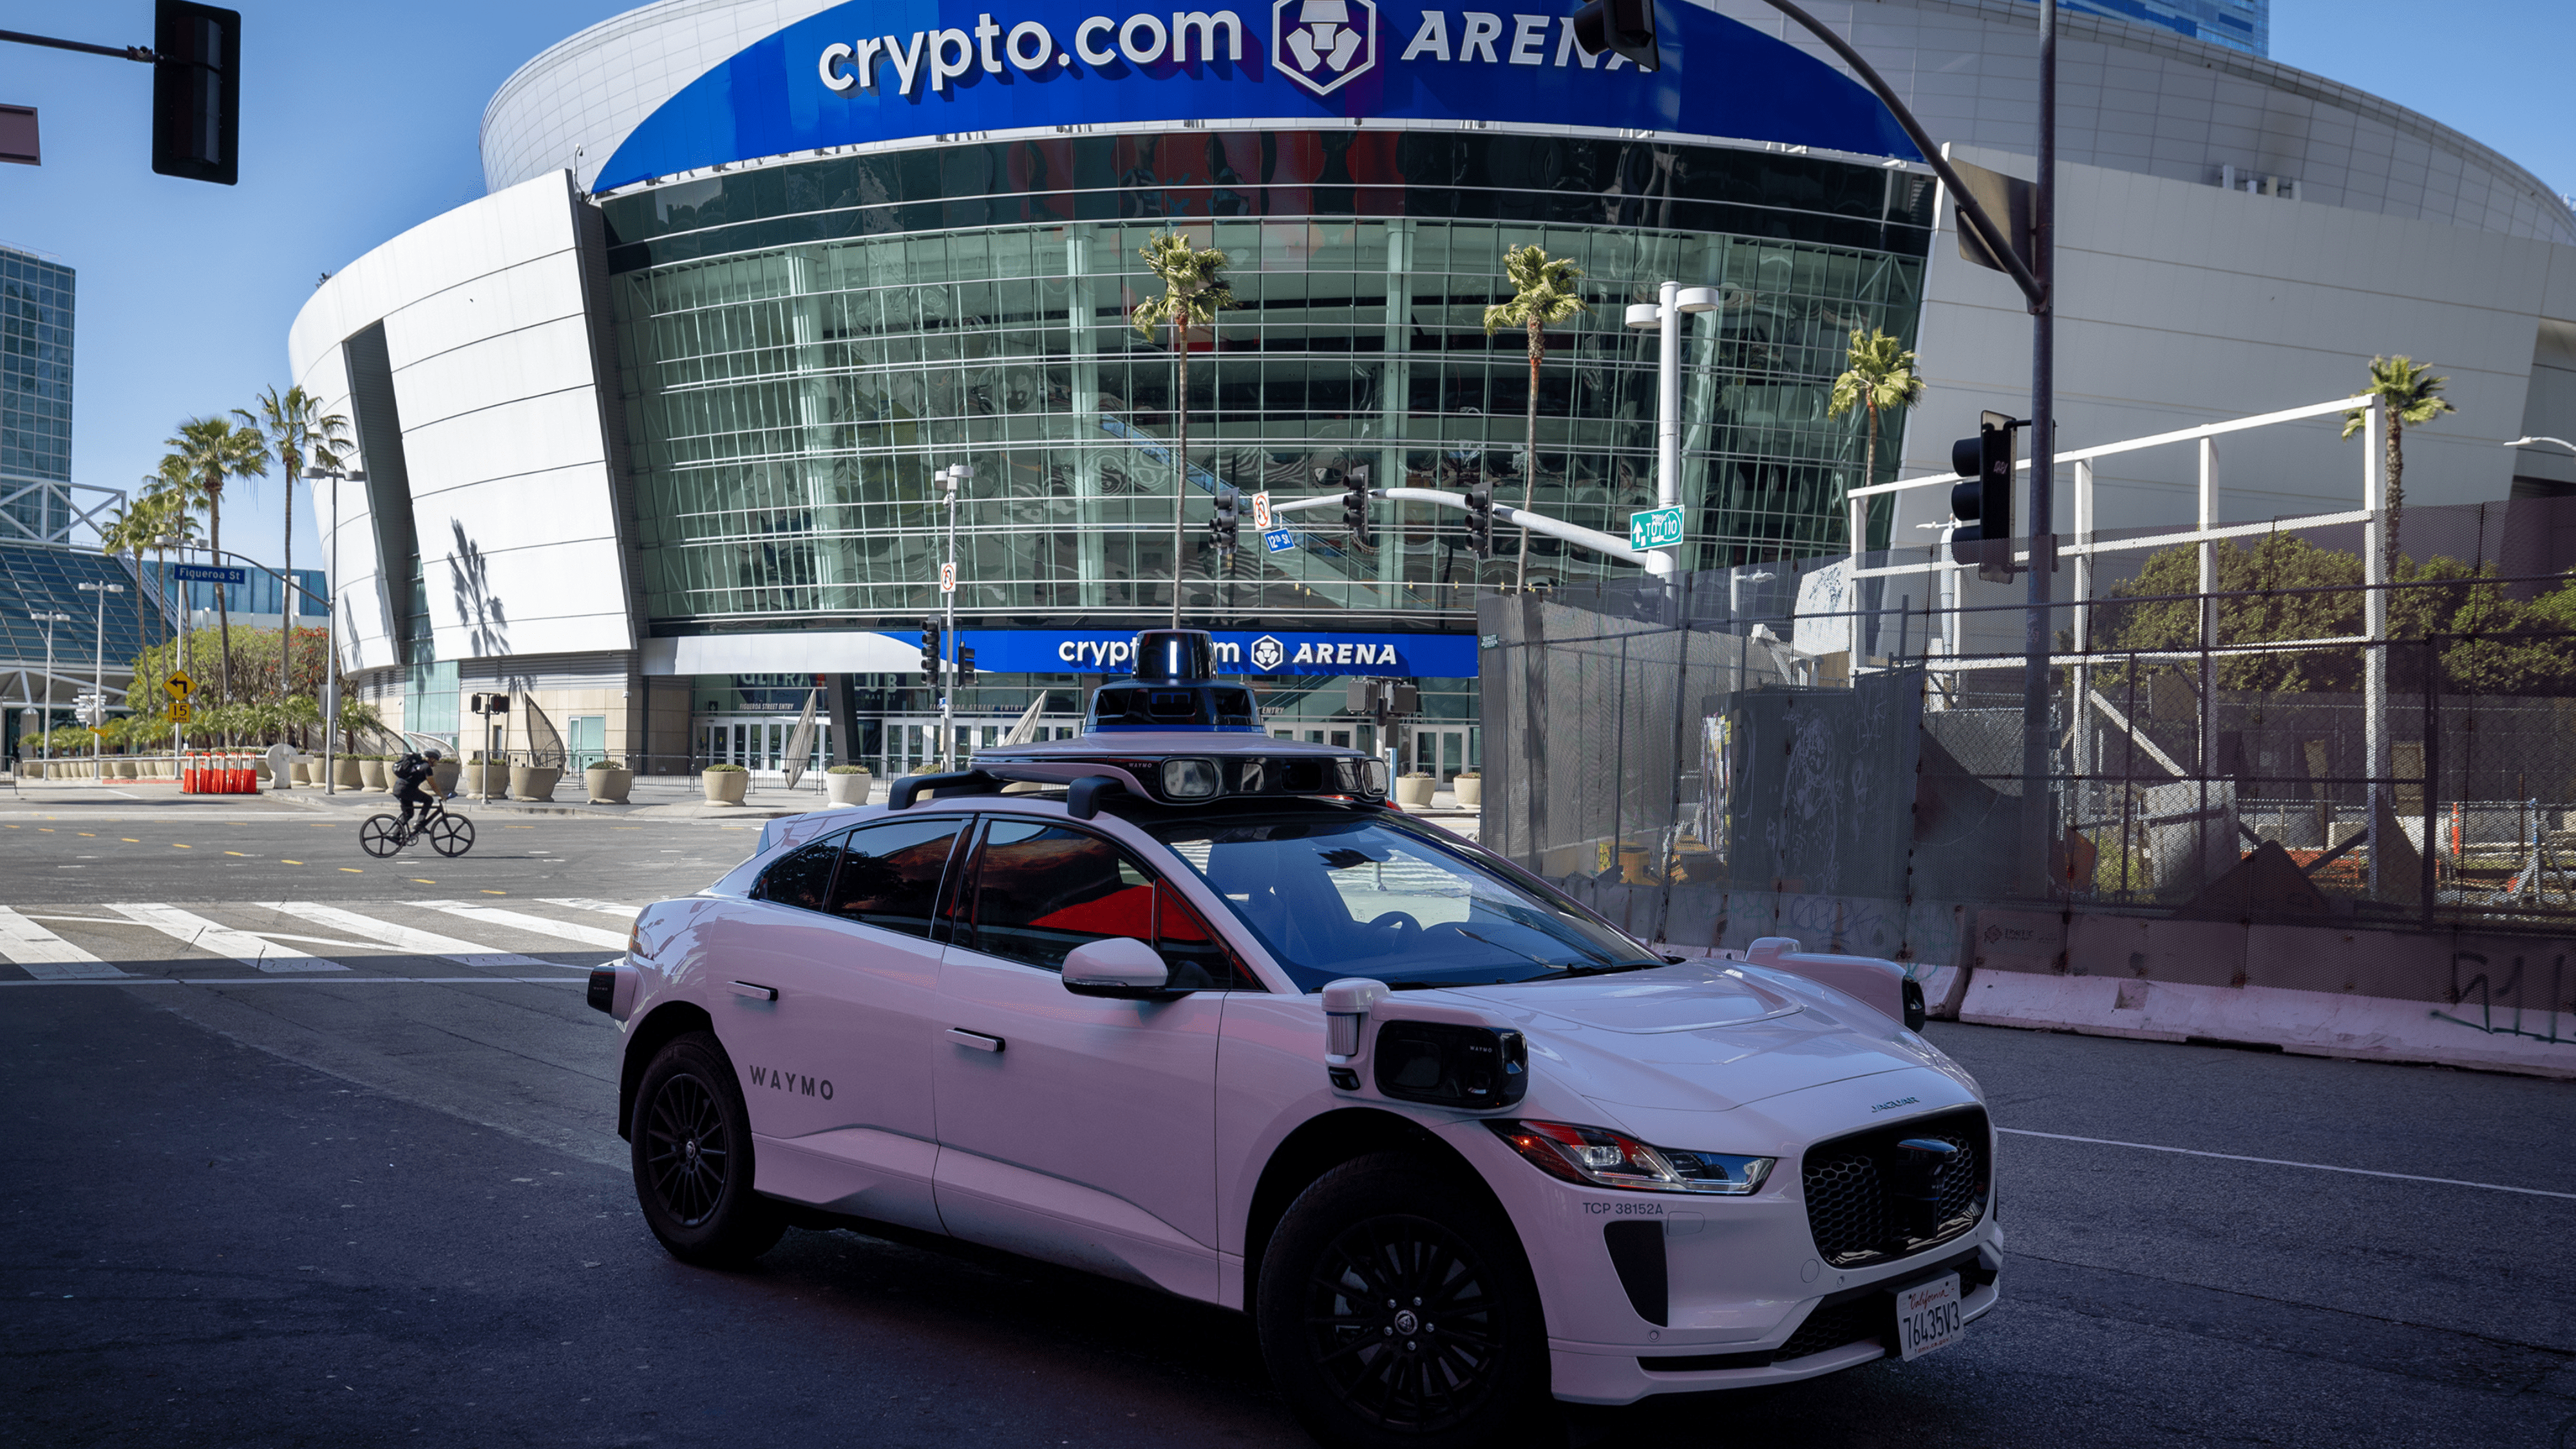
{"x":37,"y":294}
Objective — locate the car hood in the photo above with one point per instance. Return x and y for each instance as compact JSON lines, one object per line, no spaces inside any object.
{"x":1700,"y":1037}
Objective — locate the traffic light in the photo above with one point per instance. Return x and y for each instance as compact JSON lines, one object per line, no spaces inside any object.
{"x":965,"y":665}
{"x":930,"y":651}
{"x":1226,"y":527}
{"x":1480,"y":516}
{"x":1626,"y":27}
{"x":1983,"y":501}
{"x":196,"y":92}
{"x":1355,"y":507}
{"x":490,"y":704}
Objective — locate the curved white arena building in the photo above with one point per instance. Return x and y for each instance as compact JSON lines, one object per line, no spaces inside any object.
{"x":650,"y":429}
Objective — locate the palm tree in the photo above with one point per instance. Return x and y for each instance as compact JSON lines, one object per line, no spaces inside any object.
{"x":212,"y":452}
{"x":2411,"y":395}
{"x":1193,"y":293}
{"x":1877,"y":375}
{"x":167,"y":513}
{"x":298,"y":432}
{"x":127,"y":530}
{"x":1542,"y":293}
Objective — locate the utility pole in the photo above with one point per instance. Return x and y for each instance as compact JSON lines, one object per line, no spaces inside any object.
{"x":45,"y":721}
{"x":331,"y":629}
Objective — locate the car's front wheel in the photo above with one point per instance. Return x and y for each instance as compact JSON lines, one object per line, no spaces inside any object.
{"x":1396,"y":1309}
{"x":693,"y":1165}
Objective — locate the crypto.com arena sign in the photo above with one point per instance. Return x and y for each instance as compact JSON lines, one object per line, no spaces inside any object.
{"x":870,"y":72}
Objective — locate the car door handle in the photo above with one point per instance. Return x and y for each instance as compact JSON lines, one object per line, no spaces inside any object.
{"x":755,"y":991}
{"x":976,"y":1039}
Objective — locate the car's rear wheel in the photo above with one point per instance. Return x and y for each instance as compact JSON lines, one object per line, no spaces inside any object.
{"x":693,"y":1162}
{"x":1396,"y":1308}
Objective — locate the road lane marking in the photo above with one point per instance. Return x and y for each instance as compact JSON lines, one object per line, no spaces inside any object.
{"x":44,"y":955}
{"x":426,"y":943}
{"x":311,"y":981}
{"x":191,"y":929}
{"x":2283,"y":1162}
{"x":351,"y":870}
{"x":290,"y":862}
{"x":605,"y":908}
{"x":128,"y":839}
{"x":494,"y":916}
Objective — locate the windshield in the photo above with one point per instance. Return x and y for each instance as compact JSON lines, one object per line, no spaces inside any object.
{"x":1348,"y":895}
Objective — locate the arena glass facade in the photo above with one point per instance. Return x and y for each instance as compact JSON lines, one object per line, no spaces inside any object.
{"x":804,"y":345}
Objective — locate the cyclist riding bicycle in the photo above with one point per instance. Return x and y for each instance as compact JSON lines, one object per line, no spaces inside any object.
{"x":410,"y":773}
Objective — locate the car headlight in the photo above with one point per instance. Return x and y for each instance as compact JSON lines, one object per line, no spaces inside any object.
{"x":1189,"y":779}
{"x":1599,"y":1157}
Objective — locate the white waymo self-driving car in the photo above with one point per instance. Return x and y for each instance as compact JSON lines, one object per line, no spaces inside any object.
{"x":1192,"y":1007}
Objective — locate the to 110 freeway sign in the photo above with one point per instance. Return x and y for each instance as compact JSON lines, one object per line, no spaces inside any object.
{"x":1655,"y":527}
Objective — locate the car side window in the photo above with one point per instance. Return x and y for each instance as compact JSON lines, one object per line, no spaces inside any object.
{"x":1041,"y":889}
{"x":888,"y":875}
{"x":802,"y":877}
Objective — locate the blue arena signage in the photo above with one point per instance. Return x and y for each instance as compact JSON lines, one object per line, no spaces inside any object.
{"x":1285,"y":651}
{"x":869,"y":73}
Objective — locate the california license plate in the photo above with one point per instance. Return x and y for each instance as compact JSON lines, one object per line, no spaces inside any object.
{"x":1927,"y":1317}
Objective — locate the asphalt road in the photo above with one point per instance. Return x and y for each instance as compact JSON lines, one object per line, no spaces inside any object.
{"x":384,"y":1202}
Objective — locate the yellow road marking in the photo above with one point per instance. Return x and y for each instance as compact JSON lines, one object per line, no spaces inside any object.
{"x":290,"y":862}
{"x":174,"y":845}
{"x":46,"y":829}
{"x":128,"y":839}
{"x":416,"y":880}
{"x":236,"y":852}
{"x":496,"y":893}
{"x":518,"y":827}
{"x":351,"y":870}
{"x":92,"y":834}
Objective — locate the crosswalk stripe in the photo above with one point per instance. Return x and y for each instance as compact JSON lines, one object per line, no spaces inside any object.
{"x":195,"y":930}
{"x":515,"y":920}
{"x":426,"y":943}
{"x":605,"y":908}
{"x":46,"y":956}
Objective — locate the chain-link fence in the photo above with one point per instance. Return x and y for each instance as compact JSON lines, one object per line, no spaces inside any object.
{"x":1836,"y":760}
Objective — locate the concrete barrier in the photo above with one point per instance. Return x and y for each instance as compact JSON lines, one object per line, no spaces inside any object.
{"x":2308,"y":1023}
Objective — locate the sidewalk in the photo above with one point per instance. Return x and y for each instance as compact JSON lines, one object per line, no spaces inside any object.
{"x":652,"y":797}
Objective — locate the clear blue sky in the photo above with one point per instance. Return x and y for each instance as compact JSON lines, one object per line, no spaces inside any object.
{"x":360,"y":117}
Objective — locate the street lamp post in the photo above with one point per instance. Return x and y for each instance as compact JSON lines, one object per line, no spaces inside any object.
{"x":2526,"y":441}
{"x":1664,"y":315}
{"x":98,"y":669}
{"x":46,"y":720}
{"x":331,"y":629}
{"x":949,"y":477}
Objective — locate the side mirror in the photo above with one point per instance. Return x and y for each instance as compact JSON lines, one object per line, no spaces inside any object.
{"x":1119,"y":966}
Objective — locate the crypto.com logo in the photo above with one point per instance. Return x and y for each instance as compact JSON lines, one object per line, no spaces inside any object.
{"x":1323,"y":44}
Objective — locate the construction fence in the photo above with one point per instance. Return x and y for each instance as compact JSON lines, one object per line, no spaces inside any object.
{"x":2243,"y":786}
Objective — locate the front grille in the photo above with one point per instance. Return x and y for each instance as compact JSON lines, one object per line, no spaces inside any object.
{"x":1855,"y":1210}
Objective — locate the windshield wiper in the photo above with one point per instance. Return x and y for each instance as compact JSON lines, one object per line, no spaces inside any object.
{"x":1610,"y":970}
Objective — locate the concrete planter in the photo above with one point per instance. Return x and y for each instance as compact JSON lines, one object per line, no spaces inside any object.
{"x":345,"y":774}
{"x":725,"y":787}
{"x":607,"y":786}
{"x":442,"y":776}
{"x":849,"y":789}
{"x":1471,"y":791}
{"x":298,"y":773}
{"x":482,"y":779}
{"x":373,"y":774}
{"x":125,"y":770}
{"x":1413,"y":790}
{"x":534,"y":782}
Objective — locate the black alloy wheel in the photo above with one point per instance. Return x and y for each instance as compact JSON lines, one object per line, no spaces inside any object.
{"x":380,"y":835}
{"x":693,"y":1158}
{"x":451,"y":835}
{"x":1396,"y":1308}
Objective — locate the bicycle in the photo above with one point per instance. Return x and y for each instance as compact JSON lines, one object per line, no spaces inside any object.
{"x":448,"y":833}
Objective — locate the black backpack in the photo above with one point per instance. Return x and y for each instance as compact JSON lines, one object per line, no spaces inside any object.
{"x":411,"y":767}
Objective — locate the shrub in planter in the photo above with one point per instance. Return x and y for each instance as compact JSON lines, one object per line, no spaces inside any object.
{"x":607,"y":781}
{"x":724,"y":784}
{"x":1414,"y":788}
{"x":847,"y":784}
{"x":442,"y":776}
{"x":534,"y":782}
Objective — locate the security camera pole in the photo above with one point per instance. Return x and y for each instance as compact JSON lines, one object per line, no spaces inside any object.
{"x":1628,"y":27}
